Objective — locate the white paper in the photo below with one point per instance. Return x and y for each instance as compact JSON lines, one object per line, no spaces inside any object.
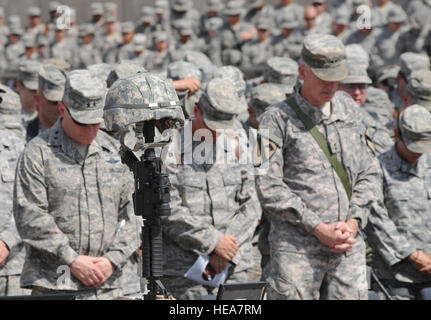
{"x":198,"y":268}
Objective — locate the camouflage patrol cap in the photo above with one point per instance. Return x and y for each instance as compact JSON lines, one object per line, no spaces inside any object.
{"x":59,"y":63}
{"x":147,"y":14}
{"x":111,"y":7}
{"x":415,"y":128}
{"x":264,"y":95}
{"x":419,"y":88}
{"x":10,"y":103}
{"x":283,"y":71}
{"x":160,"y":36}
{"x":123,"y":70}
{"x":215,"y":5}
{"x":86,"y":29}
{"x":387,"y":72}
{"x":109,"y":17}
{"x":397,"y":15}
{"x":235,"y":75}
{"x":28,"y":40}
{"x":127,"y":27}
{"x":357,"y":74}
{"x":161,"y":6}
{"x":214,"y":23}
{"x":355,"y":53}
{"x":142,"y":97}
{"x":234,"y":7}
{"x":180,"y":70}
{"x":181,"y":5}
{"x":34,"y":12}
{"x":51,"y":82}
{"x":139,"y":42}
{"x":219,"y":104}
{"x":28,"y":73}
{"x":186,"y":30}
{"x":100,"y":71}
{"x":326,"y":56}
{"x":16,"y":30}
{"x":411,"y":61}
{"x":83,"y":96}
{"x":263,"y":23}
{"x":342,"y":16}
{"x":253,"y":4}
{"x":97,"y":9}
{"x":13,"y":20}
{"x":289,"y":20}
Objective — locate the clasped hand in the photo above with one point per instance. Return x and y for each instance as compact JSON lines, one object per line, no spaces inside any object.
{"x":339,"y":237}
{"x":92,"y":271}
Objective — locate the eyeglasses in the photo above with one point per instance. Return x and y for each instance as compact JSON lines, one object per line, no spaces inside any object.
{"x":76,"y":122}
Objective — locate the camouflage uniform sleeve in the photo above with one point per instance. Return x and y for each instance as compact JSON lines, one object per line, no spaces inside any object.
{"x":364,"y":191}
{"x":35,"y":225}
{"x":191,"y":232}
{"x":382,"y":233}
{"x":275,"y":196}
{"x":248,"y":214}
{"x":125,"y":241}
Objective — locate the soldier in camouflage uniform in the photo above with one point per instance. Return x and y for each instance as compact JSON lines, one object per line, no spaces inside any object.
{"x":215,"y":209}
{"x":61,"y":47}
{"x":324,"y":19}
{"x":287,"y":6}
{"x":124,"y":50}
{"x":49,"y":93}
{"x":159,"y":57}
{"x":36,"y":28}
{"x":87,"y":53}
{"x":406,"y":169}
{"x":12,"y":252}
{"x":27,"y":83}
{"x":72,"y":201}
{"x":289,"y":42}
{"x":214,"y":9}
{"x":11,"y":111}
{"x":418,"y":90}
{"x":316,"y":251}
{"x":258,"y":9}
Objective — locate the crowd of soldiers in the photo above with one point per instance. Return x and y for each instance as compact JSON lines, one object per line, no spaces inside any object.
{"x":334,"y":100}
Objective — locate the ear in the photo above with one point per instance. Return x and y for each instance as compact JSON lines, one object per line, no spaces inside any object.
{"x":61,"y":109}
{"x":302,"y":71}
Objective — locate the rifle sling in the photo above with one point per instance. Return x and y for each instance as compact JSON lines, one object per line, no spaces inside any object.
{"x":323,"y":143}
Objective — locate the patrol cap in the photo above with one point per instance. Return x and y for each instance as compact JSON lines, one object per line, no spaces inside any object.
{"x":326,"y":56}
{"x":13,"y":20}
{"x":197,"y":58}
{"x":59,"y":63}
{"x":28,"y":40}
{"x":214,"y":23}
{"x":34,"y":12}
{"x":28,"y":74}
{"x":127,"y":27}
{"x":100,"y":71}
{"x":123,"y":70}
{"x":397,"y":15}
{"x":263,"y":23}
{"x":186,"y":30}
{"x":139,"y":42}
{"x":180,"y":70}
{"x":218,"y":104}
{"x":283,"y":71}
{"x":355,"y":53}
{"x":342,"y":16}
{"x":16,"y":30}
{"x":10,"y":103}
{"x":387,"y":72}
{"x":147,"y":13}
{"x":83,"y":96}
{"x":234,"y":7}
{"x":181,"y":5}
{"x":411,"y":61}
{"x":289,"y":20}
{"x":52,"y":81}
{"x":415,"y":128}
{"x":234,"y":75}
{"x":53,"y":6}
{"x":110,"y":7}
{"x":160,"y":36}
{"x":419,"y":88}
{"x":357,"y":74}
{"x":110,"y":18}
{"x":97,"y":9}
{"x":264,"y":95}
{"x":161,"y":6}
{"x":86,"y":29}
{"x":215,"y":5}
{"x":253,"y":4}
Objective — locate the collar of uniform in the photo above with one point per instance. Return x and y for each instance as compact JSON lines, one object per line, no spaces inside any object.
{"x":399,"y":164}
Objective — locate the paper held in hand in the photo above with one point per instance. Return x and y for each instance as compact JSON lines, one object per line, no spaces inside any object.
{"x":201,"y":273}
